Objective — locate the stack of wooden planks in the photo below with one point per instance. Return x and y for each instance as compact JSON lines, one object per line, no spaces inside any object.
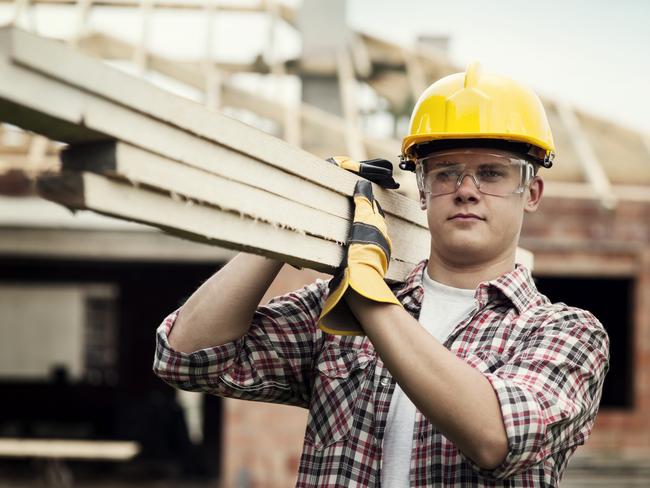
{"x":139,"y":153}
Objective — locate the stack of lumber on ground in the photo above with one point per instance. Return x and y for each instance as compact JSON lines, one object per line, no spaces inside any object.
{"x":139,"y":153}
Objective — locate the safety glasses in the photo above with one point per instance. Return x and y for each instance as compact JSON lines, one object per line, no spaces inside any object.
{"x":496,"y":174}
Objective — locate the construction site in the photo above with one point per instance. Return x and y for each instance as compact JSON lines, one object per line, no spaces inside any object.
{"x":129,"y":175}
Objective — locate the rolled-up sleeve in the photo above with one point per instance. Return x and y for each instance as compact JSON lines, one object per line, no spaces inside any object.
{"x":550,"y":389}
{"x":272,"y":362}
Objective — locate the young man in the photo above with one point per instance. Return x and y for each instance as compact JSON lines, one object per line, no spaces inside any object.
{"x":463,"y":375}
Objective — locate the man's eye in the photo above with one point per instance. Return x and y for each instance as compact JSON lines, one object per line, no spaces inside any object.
{"x":491,"y":173}
{"x":447,"y":174}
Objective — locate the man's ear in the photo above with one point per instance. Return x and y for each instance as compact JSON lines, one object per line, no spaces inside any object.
{"x":534,"y":194}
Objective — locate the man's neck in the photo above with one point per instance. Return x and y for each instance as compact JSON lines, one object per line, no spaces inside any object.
{"x":468,"y":276}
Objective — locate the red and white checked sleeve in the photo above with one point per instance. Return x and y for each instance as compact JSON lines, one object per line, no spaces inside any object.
{"x":272,"y":362}
{"x":550,"y":389}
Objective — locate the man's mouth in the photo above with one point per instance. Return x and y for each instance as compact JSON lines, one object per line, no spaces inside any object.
{"x":465,"y":217}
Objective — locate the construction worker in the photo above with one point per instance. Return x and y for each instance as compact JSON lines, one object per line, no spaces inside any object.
{"x":463,"y":374}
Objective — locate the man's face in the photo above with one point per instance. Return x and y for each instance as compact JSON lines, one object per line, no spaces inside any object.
{"x":469,"y":227}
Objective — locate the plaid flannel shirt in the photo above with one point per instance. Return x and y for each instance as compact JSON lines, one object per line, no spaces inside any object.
{"x":546,"y":363}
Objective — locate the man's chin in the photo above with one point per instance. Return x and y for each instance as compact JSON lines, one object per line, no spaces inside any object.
{"x":466,"y":251}
{"x":463,"y":243}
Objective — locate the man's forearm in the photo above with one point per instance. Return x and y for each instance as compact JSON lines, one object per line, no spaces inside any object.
{"x":221,"y":309}
{"x":455,"y":397}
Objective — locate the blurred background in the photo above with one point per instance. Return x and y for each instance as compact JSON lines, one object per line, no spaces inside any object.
{"x":82,"y":294}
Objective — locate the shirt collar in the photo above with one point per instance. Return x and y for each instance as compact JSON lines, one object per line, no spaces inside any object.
{"x":517,"y":286}
{"x":413,"y":280}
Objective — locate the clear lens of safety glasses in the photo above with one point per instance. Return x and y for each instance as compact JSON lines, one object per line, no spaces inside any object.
{"x":493,"y":174}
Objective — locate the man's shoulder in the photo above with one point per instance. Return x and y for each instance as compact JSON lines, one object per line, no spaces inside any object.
{"x":566,"y":318}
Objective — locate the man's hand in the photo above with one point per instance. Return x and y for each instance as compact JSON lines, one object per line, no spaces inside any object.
{"x":379,"y":171}
{"x":363,"y":267}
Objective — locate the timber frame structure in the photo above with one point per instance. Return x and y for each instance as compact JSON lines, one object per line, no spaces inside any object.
{"x":590,"y":149}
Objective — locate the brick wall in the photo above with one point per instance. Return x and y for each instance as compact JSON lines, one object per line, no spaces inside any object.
{"x":262,"y":444}
{"x":580,"y":238}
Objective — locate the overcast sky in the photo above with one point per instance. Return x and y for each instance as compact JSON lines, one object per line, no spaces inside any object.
{"x":591,"y":53}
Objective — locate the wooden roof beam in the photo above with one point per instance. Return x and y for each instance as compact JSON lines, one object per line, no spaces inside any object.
{"x":591,"y":166}
{"x":212,"y":75}
{"x":360,"y":55}
{"x":292,"y":117}
{"x":347,"y":90}
{"x":83,"y":13}
{"x":141,"y":53}
{"x":286,"y":12}
{"x":645,"y":139}
{"x":414,"y":73}
{"x":111,"y":48}
{"x":171,"y":4}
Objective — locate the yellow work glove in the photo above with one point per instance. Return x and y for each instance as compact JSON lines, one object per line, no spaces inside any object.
{"x":364,"y":265}
{"x":378,"y":171}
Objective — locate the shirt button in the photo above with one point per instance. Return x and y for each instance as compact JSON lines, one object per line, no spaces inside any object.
{"x":385,"y":381}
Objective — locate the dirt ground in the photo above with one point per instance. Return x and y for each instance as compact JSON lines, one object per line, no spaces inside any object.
{"x":583,"y":474}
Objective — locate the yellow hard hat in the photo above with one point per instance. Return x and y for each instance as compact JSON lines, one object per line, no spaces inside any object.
{"x":472,"y":108}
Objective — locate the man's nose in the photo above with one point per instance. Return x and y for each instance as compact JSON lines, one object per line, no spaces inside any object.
{"x":467,"y":182}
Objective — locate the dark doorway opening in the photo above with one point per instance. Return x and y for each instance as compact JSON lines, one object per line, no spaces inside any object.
{"x":136,"y":405}
{"x":611,"y":301}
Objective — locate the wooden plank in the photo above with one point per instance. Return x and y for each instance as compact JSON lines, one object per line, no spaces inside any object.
{"x":75,"y":69}
{"x":258,"y":197}
{"x":69,"y":449}
{"x":140,"y":167}
{"x":410,"y":241}
{"x":196,"y":222}
{"x":63,"y":118}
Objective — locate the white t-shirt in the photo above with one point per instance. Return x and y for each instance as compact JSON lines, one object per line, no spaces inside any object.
{"x":443,"y":307}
